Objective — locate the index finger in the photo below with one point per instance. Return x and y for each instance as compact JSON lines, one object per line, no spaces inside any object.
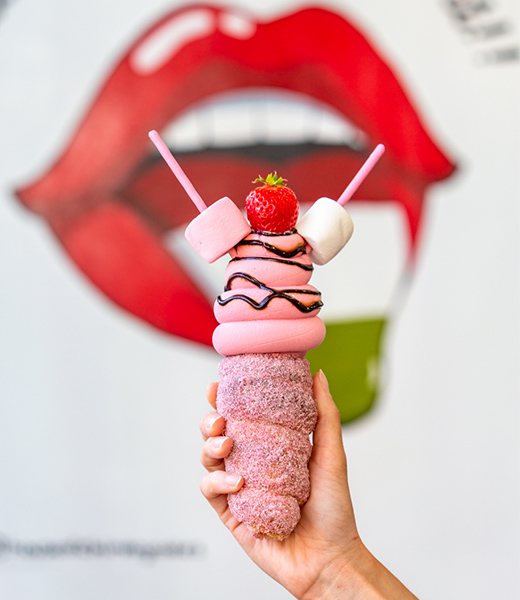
{"x":211,"y":394}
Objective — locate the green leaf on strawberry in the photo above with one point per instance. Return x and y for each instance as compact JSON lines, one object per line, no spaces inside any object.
{"x":273,"y":179}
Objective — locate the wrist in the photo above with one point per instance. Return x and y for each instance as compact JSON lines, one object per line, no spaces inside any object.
{"x":357,"y":575}
{"x":341,"y":578}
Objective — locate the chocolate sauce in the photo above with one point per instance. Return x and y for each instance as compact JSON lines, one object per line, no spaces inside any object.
{"x":270,"y":233}
{"x":273,"y":294}
{"x":284,"y":253}
{"x":278,"y":260}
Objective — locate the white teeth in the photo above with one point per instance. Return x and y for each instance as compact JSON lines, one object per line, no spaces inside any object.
{"x":257,"y":116}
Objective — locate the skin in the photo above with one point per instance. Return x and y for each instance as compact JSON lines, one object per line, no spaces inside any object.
{"x":324,"y":556}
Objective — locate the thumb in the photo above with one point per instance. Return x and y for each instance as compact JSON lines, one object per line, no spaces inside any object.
{"x":327,"y":438}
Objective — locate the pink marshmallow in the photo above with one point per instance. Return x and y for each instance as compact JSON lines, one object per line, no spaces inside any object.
{"x":217,"y":229}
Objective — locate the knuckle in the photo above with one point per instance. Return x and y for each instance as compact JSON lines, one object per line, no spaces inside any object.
{"x":204,"y":426}
{"x":335,"y":413}
{"x":203,"y":486}
{"x":208,"y":487}
{"x":205,"y":457}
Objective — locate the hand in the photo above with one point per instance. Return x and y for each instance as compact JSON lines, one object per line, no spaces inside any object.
{"x":324,"y":556}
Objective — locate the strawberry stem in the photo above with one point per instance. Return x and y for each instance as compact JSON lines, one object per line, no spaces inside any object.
{"x":272,"y":180}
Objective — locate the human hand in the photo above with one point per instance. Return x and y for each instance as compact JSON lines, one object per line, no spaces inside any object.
{"x":324,"y":556}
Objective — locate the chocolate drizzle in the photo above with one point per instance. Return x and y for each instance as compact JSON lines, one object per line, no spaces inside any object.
{"x":270,"y":233}
{"x":286,"y":295}
{"x":283,"y":253}
{"x":278,"y":260}
{"x":284,"y":257}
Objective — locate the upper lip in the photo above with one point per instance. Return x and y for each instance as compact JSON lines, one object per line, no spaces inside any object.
{"x":313,"y":51}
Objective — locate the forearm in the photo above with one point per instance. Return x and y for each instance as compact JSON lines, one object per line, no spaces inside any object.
{"x":362,"y":577}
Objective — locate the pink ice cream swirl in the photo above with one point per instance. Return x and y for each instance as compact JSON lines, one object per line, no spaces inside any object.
{"x":268,"y":320}
{"x":268,"y":304}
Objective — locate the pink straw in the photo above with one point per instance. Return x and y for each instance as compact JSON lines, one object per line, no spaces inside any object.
{"x":361,"y":174}
{"x":177,"y":171}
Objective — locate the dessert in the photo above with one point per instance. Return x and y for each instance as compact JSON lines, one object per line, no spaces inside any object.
{"x":268,"y":320}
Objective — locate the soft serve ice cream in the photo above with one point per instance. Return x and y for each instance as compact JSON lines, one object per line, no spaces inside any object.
{"x":268,"y":304}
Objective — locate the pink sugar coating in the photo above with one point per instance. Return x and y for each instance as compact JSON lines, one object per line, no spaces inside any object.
{"x":270,"y":457}
{"x":270,"y":411}
{"x":267,"y":388}
{"x":267,"y":515}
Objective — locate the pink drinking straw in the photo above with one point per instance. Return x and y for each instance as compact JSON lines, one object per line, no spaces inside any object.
{"x":368,"y":165}
{"x":177,"y":171}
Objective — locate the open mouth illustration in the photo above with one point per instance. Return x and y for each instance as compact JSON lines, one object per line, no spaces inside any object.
{"x":225,"y":91}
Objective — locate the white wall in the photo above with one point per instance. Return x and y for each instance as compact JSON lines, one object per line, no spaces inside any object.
{"x":99,"y":413}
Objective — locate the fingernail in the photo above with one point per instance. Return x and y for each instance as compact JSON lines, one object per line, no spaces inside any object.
{"x":323,"y":381}
{"x":213,"y":421}
{"x":210,"y":386}
{"x":233,"y":480}
{"x":219,"y":442}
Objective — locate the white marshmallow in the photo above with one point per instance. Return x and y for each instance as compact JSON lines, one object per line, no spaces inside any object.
{"x":326,"y":227}
{"x":217,"y":229}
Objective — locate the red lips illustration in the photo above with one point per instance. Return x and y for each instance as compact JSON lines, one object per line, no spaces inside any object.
{"x":111,"y":204}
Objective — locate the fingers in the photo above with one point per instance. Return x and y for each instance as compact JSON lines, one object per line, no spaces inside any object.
{"x":217,"y":484}
{"x":212,"y":425}
{"x":211,"y":394}
{"x":327,"y":437}
{"x":216,"y":446}
{"x":220,"y":483}
{"x":214,"y":450}
{"x":215,"y":487}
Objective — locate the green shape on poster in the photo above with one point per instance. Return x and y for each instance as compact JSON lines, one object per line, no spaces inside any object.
{"x":350,"y":358}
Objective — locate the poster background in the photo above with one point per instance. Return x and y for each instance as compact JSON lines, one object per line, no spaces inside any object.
{"x":99,"y":414}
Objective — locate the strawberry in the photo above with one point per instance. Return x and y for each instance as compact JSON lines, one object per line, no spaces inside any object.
{"x":272,"y":208}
